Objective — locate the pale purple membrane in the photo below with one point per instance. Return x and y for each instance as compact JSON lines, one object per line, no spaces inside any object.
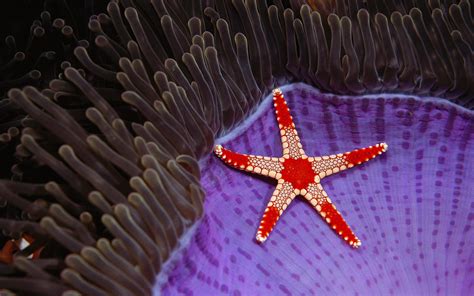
{"x":412,"y":208}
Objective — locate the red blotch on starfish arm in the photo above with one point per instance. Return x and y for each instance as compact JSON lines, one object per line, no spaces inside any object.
{"x":339,"y":225}
{"x":298,"y":172}
{"x":361,"y":155}
{"x":269,"y":220}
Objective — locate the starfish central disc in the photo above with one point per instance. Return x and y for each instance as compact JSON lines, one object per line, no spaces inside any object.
{"x":298,"y":172}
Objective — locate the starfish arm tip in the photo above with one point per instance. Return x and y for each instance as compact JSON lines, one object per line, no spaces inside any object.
{"x":384,"y":146}
{"x":356,"y":244}
{"x":260,"y":239}
{"x":218,"y":149}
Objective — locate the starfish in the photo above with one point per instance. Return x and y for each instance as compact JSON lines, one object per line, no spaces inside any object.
{"x":298,"y":174}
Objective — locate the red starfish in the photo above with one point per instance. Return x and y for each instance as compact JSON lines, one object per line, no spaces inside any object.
{"x":298,"y":174}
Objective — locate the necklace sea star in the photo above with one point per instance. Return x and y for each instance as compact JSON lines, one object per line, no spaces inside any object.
{"x":298,"y":174}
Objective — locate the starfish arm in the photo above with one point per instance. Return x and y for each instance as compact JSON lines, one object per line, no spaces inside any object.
{"x":328,"y":165}
{"x":281,"y":198}
{"x":319,"y":199}
{"x":265,"y":166}
{"x":289,"y":136}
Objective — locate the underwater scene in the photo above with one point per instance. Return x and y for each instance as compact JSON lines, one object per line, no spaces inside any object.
{"x":237,"y":147}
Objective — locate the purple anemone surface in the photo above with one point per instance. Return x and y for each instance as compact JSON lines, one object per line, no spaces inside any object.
{"x":412,"y":208}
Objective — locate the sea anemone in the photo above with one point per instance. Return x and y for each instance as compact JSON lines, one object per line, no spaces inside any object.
{"x":112,"y":177}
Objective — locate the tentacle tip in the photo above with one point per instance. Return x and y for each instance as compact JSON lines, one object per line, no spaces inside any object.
{"x":384,"y":146}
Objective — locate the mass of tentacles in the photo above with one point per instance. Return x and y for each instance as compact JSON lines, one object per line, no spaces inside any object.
{"x":113,"y":105}
{"x":298,"y":174}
